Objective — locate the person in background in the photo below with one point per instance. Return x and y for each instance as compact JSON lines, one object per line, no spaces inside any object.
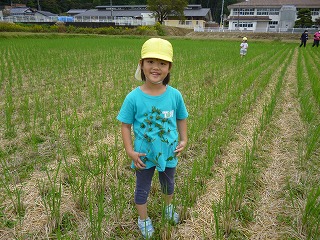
{"x":157,"y":113}
{"x":316,"y":39}
{"x":244,"y":47}
{"x":304,"y":38}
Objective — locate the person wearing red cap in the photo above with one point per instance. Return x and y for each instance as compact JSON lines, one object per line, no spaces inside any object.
{"x":158,"y":114}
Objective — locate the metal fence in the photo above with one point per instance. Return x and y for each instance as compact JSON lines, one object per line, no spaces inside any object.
{"x":268,"y":30}
{"x":121,"y":21}
{"x":29,"y":19}
{"x":116,"y":20}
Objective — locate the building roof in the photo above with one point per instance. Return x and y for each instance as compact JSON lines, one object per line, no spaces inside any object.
{"x":277,"y":3}
{"x":28,"y":11}
{"x":117,"y":13}
{"x":122,"y":7}
{"x":47,"y":14}
{"x":136,"y":10}
{"x":20,"y":10}
{"x":196,"y":12}
{"x":76,"y":11}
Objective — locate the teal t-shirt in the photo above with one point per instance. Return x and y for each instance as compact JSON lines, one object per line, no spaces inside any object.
{"x":154,"y":120}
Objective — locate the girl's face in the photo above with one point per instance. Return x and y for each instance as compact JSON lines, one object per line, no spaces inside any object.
{"x":155,"y":70}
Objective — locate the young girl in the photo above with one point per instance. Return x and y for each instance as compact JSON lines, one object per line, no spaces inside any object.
{"x":158,"y":115}
{"x":244,"y":47}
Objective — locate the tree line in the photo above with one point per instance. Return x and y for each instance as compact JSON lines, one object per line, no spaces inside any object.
{"x":62,"y":6}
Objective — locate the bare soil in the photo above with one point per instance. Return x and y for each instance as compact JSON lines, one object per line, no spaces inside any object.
{"x":182,"y":32}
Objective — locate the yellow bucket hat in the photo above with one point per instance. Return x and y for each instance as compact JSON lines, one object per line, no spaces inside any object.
{"x":244,"y":39}
{"x":155,"y":48}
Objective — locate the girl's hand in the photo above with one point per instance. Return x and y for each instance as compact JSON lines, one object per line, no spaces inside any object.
{"x":180,"y":147}
{"x":135,"y":156}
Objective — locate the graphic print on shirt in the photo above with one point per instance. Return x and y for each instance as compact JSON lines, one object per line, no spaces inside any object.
{"x":168,"y":114}
{"x":156,"y":137}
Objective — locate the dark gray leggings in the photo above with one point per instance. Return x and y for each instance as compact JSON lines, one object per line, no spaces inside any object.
{"x":143,"y":183}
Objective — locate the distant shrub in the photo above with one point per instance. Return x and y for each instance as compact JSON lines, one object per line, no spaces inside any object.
{"x":71,"y":29}
{"x":117,"y":31}
{"x":109,"y":30}
{"x":85,"y":30}
{"x":12,"y":27}
{"x":37,"y":28}
{"x":160,"y":30}
{"x":60,"y":27}
{"x":146,"y":30}
{"x":106,"y":30}
{"x":53,"y":28}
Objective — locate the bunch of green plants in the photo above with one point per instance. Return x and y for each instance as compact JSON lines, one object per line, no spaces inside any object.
{"x":159,"y":28}
{"x":231,"y":205}
{"x":12,"y":27}
{"x":308,"y":90}
{"x":60,"y":27}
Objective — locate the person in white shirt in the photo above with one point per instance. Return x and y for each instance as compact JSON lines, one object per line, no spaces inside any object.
{"x":244,"y":47}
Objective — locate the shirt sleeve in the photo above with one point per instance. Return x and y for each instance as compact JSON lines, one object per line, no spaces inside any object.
{"x":182,"y":112}
{"x":127,"y":111}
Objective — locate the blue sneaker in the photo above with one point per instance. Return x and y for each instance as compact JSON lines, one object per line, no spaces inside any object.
{"x":171,"y":215}
{"x":146,"y":228}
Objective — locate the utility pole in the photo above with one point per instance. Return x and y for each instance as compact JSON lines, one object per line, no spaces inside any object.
{"x":221,"y":16}
{"x":39,"y":7}
{"x":238,"y":17}
{"x":111,"y":9}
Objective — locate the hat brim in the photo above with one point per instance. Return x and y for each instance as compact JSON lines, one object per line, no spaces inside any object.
{"x":157,"y":56}
{"x":137,"y":75}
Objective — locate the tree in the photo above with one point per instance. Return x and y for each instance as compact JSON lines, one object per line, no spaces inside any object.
{"x":163,"y":8}
{"x":304,"y":18}
{"x":32,"y":4}
{"x":50,"y":6}
{"x":96,"y":2}
{"x":317,"y":22}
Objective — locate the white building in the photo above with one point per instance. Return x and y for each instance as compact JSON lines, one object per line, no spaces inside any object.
{"x":120,"y":15}
{"x":26,"y":14}
{"x":268,"y":15}
{"x":194,"y":14}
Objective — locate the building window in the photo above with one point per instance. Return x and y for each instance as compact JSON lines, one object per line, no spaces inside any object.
{"x":244,"y":25}
{"x":243,"y":11}
{"x":186,"y":22}
{"x":315,"y":11}
{"x":274,"y":11}
{"x":263,"y":11}
{"x":273,"y":23}
{"x":267,"y":11}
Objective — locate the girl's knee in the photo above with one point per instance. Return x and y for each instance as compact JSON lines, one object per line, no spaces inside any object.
{"x":140,"y":196}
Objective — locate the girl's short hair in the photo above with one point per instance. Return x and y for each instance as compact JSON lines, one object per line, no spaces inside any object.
{"x":165,"y":81}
